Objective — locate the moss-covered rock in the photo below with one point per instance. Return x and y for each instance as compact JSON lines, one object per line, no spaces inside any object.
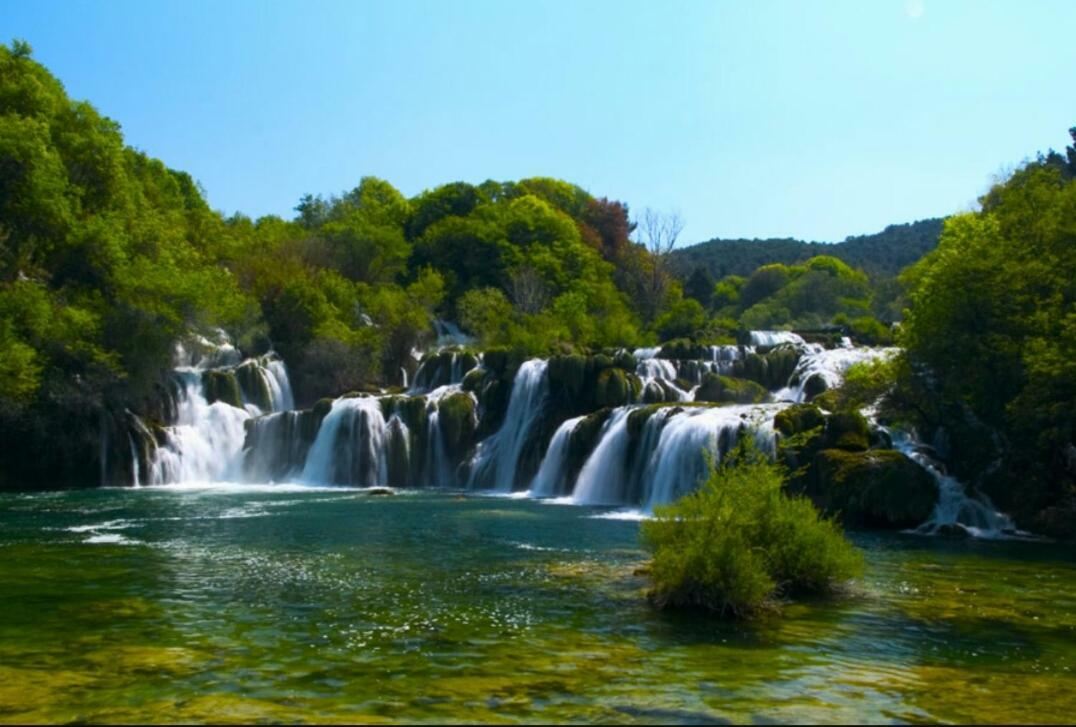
{"x":815,"y":385}
{"x":682,"y":348}
{"x":727,"y":390}
{"x":872,"y":489}
{"x":222,"y":386}
{"x":254,"y":387}
{"x":772,"y":369}
{"x":322,"y":407}
{"x":847,"y":430}
{"x":410,"y":409}
{"x":456,"y":415}
{"x":798,"y":418}
{"x":568,"y":374}
{"x":615,"y":387}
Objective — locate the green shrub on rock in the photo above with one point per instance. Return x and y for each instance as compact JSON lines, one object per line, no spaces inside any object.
{"x":739,"y":543}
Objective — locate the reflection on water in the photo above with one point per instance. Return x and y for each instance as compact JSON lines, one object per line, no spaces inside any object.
{"x":286,"y":604}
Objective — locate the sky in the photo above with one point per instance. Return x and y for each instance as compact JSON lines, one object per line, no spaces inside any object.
{"x":755,"y":118}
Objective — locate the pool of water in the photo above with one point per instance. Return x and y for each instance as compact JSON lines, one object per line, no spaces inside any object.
{"x":247,"y":603}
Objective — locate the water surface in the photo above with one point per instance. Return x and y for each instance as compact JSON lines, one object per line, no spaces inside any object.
{"x":250,"y":603}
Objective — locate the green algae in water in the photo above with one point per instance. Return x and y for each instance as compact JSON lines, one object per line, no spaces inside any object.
{"x":263,"y":605}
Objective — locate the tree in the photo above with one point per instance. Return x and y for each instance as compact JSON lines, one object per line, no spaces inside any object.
{"x":527,"y":290}
{"x":659,"y":232}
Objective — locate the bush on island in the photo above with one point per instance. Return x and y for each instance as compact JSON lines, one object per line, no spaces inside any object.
{"x":738,"y":544}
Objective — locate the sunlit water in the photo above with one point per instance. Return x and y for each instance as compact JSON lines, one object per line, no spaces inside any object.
{"x":293,"y":604}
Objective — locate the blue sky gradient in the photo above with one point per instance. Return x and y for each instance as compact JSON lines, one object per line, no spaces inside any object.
{"x":754,"y":119}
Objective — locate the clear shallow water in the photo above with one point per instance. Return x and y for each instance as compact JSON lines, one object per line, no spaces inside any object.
{"x":291,"y":604}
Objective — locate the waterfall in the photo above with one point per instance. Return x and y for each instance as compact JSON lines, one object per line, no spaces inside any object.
{"x":204,"y":440}
{"x":349,"y":448}
{"x":678,"y":461}
{"x":497,"y":458}
{"x":975,"y":514}
{"x":827,"y":366}
{"x":549,"y":482}
{"x":669,"y":455}
{"x":775,"y":338}
{"x":204,"y":443}
{"x":601,"y":480}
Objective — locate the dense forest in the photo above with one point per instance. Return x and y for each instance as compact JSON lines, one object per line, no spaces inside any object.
{"x":108,"y":258}
{"x":883,"y":254}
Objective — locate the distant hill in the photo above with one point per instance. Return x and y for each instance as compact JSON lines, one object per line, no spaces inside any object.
{"x":882,"y":254}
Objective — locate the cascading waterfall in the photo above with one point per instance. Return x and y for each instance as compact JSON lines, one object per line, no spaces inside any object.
{"x":775,"y":338}
{"x":550,"y":480}
{"x":600,"y":482}
{"x":670,"y":455}
{"x":827,"y":365}
{"x":205,"y":439}
{"x":497,"y":458}
{"x":975,"y":514}
{"x":232,"y":419}
{"x":204,"y":443}
{"x":678,"y":461}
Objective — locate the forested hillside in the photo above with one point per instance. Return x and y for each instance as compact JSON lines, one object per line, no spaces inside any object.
{"x":883,"y":254}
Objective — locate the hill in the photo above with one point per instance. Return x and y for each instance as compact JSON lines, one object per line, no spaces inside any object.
{"x":882,"y":254}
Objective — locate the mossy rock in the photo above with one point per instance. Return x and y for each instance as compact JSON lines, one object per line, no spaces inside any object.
{"x":798,"y":418}
{"x":322,"y":408}
{"x":625,"y":360}
{"x":253,"y":385}
{"x":682,"y":348}
{"x":410,"y":409}
{"x":872,"y":489}
{"x":567,"y":375}
{"x":456,"y":415}
{"x":814,"y":386}
{"x":614,"y":387}
{"x":780,"y":365}
{"x":728,"y":390}
{"x":638,"y":418}
{"x":504,"y":362}
{"x":847,"y":430}
{"x":472,"y":380}
{"x":222,"y":386}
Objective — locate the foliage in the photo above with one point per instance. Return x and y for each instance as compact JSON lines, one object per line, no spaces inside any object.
{"x":990,"y":331}
{"x":738,"y":543}
{"x":881,"y":255}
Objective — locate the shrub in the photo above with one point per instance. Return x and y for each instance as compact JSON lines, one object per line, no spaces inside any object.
{"x":739,"y":543}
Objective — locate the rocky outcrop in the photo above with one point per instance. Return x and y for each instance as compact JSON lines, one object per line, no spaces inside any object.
{"x":832,"y":462}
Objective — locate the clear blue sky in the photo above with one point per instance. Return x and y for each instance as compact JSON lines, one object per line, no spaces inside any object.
{"x":752,"y":118}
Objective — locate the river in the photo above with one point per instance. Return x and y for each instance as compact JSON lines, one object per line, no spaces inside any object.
{"x":194,"y":603}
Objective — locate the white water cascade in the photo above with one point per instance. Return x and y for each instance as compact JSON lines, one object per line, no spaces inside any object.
{"x":671,"y":455}
{"x":497,"y":458}
{"x":955,"y":507}
{"x":350,"y":445}
{"x":551,"y":475}
{"x":828,"y":365}
{"x":205,"y":440}
{"x":204,"y":443}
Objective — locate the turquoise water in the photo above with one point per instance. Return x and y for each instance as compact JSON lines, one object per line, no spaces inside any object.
{"x":297,"y":604}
